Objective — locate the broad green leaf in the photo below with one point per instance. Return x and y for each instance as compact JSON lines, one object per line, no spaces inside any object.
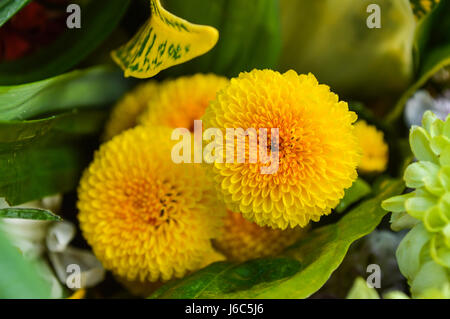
{"x":8,"y":8}
{"x":19,"y":277}
{"x":225,"y":276}
{"x":44,"y":157}
{"x":81,"y":89}
{"x":432,"y":52}
{"x":299,"y":272}
{"x":249,"y":35}
{"x":163,"y":41}
{"x":99,"y":19}
{"x":28,"y":213}
{"x":357,"y":191}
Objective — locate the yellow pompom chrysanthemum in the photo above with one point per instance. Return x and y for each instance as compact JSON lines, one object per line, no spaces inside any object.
{"x":128,"y":108}
{"x":374,"y":149}
{"x":183,"y":100}
{"x":146,"y":217}
{"x":318,"y":150}
{"x":243,"y":240}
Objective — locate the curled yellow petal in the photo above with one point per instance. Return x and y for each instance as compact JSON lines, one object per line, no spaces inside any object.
{"x":163,"y":41}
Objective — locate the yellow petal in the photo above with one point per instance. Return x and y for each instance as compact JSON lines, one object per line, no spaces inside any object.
{"x":163,"y":41}
{"x":79,"y":294}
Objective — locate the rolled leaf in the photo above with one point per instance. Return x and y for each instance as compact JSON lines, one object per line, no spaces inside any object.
{"x":163,"y":41}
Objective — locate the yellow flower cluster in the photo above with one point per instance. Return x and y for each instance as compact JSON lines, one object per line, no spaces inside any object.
{"x":173,"y":103}
{"x":125,"y":113}
{"x":243,"y":240}
{"x":149,"y":219}
{"x":146,"y":217}
{"x":374,"y":149}
{"x":318,"y":149}
{"x":182,"y":101}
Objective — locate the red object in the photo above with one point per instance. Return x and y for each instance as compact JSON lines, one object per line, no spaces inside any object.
{"x":31,"y":28}
{"x":12,"y":46}
{"x":32,"y":16}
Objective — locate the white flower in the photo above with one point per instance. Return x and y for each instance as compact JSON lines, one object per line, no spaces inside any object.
{"x":37,"y":238}
{"x":422,"y":101}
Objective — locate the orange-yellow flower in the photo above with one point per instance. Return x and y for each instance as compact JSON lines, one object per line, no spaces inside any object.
{"x":318,"y":149}
{"x":183,"y":100}
{"x":146,"y":217}
{"x":243,"y":240}
{"x":374,"y":149}
{"x":128,"y":108}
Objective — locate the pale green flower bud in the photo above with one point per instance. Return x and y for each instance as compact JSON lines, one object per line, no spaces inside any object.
{"x":332,"y":39}
{"x":424,"y":254}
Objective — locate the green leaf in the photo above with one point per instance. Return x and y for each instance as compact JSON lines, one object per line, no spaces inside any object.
{"x":19,"y":277}
{"x":44,"y":157}
{"x":299,"y":272}
{"x":249,"y":35}
{"x":81,"y":89}
{"x":203,"y":283}
{"x":98,"y":21}
{"x":432,"y":52}
{"x":357,"y":191}
{"x":29,"y":213}
{"x":8,"y":8}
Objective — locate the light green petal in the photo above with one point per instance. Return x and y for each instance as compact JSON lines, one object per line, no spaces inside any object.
{"x":436,"y":293}
{"x":430,"y":275}
{"x":418,"y":173}
{"x":446,"y":129}
{"x":446,"y":233}
{"x":444,"y":205}
{"x":417,"y":206}
{"x":440,"y":252}
{"x":397,"y":203}
{"x":428,"y":119}
{"x":434,"y":220}
{"x":437,"y":128}
{"x":439,"y":144}
{"x":444,"y":159}
{"x":402,"y":220}
{"x":409,"y":250}
{"x":420,"y":145}
{"x":444,"y":177}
